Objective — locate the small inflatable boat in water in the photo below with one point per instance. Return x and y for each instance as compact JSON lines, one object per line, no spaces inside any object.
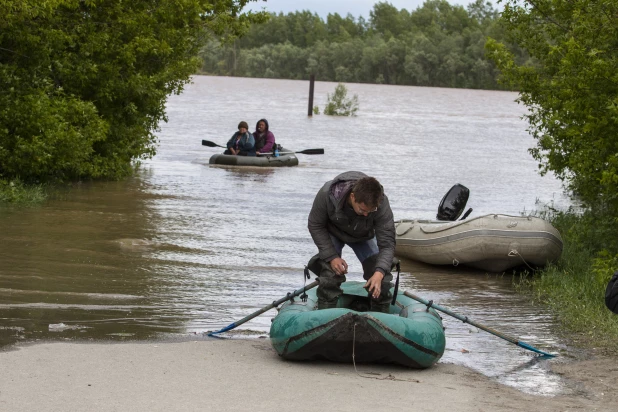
{"x":410,"y":335}
{"x":493,"y":242}
{"x":287,"y":158}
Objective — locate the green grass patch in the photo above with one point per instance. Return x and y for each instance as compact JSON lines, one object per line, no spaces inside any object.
{"x":575,"y":286}
{"x":16,"y":192}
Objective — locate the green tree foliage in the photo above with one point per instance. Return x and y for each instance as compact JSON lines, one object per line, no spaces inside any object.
{"x":572,"y":93}
{"x":16,"y":191}
{"x":438,"y":44}
{"x":386,"y":19}
{"x":83,"y":83}
{"x":572,"y":96}
{"x":339,"y":104}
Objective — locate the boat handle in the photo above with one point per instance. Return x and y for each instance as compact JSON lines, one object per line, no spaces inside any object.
{"x":406,"y":231}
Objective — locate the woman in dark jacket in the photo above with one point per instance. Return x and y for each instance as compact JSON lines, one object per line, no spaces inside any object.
{"x":264,"y":138}
{"x":242,"y":142}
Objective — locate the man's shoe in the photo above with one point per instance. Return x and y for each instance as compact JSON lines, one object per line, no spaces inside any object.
{"x":325,"y":304}
{"x":380,"y":307}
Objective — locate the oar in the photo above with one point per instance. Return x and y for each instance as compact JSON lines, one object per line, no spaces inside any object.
{"x":266,"y":308}
{"x":211,"y":144}
{"x":306,"y":151}
{"x":478,"y":325}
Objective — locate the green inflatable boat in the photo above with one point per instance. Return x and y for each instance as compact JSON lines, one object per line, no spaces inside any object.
{"x":287,"y":158}
{"x":411,"y":334}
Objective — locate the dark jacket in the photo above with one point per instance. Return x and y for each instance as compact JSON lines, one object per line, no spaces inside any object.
{"x":331,"y":214}
{"x":263,"y":143}
{"x":246,"y":144}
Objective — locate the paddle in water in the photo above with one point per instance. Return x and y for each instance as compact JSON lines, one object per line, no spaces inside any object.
{"x":211,"y":144}
{"x":306,"y":151}
{"x":276,"y":303}
{"x":478,"y":325}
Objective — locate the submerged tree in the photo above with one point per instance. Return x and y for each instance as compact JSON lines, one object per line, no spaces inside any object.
{"x":572,"y":94}
{"x":83,"y":83}
{"x":339,"y":104}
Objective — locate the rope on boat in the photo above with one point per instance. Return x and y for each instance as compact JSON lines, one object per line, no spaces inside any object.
{"x":396,"y":290}
{"x":516,"y":253}
{"x":389,"y":377}
{"x":306,"y":276}
{"x":406,"y":231}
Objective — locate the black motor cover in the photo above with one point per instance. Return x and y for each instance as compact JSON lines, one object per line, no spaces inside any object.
{"x":611,"y":294}
{"x":453,"y":203}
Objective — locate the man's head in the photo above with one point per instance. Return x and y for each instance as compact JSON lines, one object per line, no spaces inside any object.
{"x":366,"y":196}
{"x":243,"y":127}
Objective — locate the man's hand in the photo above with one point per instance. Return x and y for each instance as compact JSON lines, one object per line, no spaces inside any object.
{"x":374,"y":284}
{"x":339,"y":266}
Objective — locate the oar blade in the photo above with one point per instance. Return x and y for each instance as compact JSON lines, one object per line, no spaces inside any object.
{"x":533,"y":349}
{"x":209,"y":143}
{"x":225,"y":329}
{"x":311,"y":151}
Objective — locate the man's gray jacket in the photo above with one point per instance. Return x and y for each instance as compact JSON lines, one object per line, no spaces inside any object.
{"x":329,"y":215}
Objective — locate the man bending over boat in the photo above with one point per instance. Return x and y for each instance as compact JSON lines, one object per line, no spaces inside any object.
{"x":352,"y":210}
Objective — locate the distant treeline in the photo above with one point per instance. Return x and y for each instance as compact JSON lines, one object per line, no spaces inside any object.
{"x":438,"y":44}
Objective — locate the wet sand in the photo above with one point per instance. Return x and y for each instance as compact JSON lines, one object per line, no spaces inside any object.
{"x":247,"y":375}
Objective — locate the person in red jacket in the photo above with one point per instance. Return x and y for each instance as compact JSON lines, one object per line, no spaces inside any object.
{"x":264,"y":138}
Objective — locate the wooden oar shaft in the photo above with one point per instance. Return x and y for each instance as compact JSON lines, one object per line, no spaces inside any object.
{"x":465,"y":319}
{"x":266,"y":308}
{"x":277,"y":302}
{"x":306,"y":151}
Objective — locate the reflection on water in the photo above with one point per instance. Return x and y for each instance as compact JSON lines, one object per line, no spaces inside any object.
{"x":253,"y":174}
{"x":490,"y":300}
{"x":185,"y":247}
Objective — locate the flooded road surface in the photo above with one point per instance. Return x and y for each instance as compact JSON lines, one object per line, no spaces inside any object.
{"x":183,"y":247}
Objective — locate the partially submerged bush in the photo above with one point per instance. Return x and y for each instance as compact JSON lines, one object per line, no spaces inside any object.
{"x":15,"y":191}
{"x":339,"y":104}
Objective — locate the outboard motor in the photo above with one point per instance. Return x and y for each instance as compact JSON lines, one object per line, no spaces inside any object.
{"x":611,"y":294}
{"x":453,"y":203}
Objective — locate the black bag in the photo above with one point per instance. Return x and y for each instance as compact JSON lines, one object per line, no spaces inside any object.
{"x":611,"y":294}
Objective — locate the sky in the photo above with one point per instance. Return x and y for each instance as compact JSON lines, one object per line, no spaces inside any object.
{"x":343,"y":7}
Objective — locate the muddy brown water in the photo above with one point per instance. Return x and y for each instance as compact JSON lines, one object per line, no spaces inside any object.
{"x":183,"y":247}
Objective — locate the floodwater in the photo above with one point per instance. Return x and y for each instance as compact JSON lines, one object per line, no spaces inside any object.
{"x":184,"y":248}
